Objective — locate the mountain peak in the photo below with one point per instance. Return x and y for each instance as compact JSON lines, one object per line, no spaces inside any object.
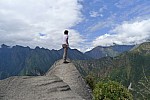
{"x":70,"y":75}
{"x":4,"y":46}
{"x":142,"y":48}
{"x":112,"y":51}
{"x":62,"y":82}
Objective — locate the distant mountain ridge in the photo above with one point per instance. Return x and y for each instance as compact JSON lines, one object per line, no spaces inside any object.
{"x":18,"y":60}
{"x":128,"y":67}
{"x":142,"y":48}
{"x":137,"y":57}
{"x":132,"y":67}
{"x":112,"y":51}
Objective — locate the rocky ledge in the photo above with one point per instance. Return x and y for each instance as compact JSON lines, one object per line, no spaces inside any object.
{"x":61,"y":82}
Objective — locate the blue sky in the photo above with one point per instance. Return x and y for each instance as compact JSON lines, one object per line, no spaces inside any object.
{"x":101,"y":17}
{"x":90,"y":22}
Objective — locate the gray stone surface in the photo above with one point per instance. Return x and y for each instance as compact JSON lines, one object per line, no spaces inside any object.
{"x":62,"y":82}
{"x":70,"y":75}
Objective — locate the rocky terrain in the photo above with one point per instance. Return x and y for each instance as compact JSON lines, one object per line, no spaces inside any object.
{"x":61,"y":82}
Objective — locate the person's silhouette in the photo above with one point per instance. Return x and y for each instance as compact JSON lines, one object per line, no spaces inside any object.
{"x":65,"y":45}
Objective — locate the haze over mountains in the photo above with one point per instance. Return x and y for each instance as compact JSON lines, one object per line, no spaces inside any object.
{"x":125,"y":64}
{"x":118,"y":29}
{"x":131,"y":68}
{"x":18,"y":60}
{"x":112,"y":51}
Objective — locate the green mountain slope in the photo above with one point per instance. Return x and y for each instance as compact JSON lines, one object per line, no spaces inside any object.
{"x":128,"y":68}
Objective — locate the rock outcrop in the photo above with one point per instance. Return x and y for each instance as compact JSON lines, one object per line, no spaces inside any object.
{"x":70,"y":75}
{"x":61,"y":82}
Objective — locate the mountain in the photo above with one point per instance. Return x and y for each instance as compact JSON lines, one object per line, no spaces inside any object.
{"x":70,"y":75}
{"x":74,"y":54}
{"x":142,"y":48}
{"x":61,"y":82}
{"x":136,"y":58}
{"x":128,"y":68}
{"x":18,"y":60}
{"x":112,"y":51}
{"x":131,"y":68}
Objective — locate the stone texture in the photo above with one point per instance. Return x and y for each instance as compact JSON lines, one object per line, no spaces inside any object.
{"x":70,"y":75}
{"x":61,"y":82}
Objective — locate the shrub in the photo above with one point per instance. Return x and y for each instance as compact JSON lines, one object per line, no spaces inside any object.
{"x":90,"y":80}
{"x":111,"y":90}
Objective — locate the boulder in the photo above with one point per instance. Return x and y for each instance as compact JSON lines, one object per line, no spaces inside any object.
{"x":61,"y":82}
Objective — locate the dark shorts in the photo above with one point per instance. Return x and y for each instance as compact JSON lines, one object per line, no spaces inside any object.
{"x":64,"y":46}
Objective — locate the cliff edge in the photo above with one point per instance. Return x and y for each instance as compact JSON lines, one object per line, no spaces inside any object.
{"x":70,"y":75}
{"x":61,"y":82}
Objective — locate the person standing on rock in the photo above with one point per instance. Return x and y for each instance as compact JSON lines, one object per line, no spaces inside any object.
{"x":65,"y":45}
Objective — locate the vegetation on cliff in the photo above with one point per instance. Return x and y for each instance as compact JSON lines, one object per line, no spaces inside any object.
{"x":131,"y":69}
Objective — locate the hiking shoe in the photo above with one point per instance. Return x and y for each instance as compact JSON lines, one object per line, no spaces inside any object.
{"x":66,"y":62}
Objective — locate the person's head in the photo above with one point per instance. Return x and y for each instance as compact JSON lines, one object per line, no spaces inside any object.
{"x":66,"y":32}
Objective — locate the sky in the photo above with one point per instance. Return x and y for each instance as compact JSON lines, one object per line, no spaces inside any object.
{"x":90,"y":23}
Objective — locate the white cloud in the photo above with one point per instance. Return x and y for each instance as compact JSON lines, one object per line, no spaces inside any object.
{"x":109,"y":22}
{"x":124,"y":3}
{"x":127,"y":33}
{"x":141,"y":10}
{"x":99,"y":12}
{"x":94,"y":14}
{"x":21,"y":21}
